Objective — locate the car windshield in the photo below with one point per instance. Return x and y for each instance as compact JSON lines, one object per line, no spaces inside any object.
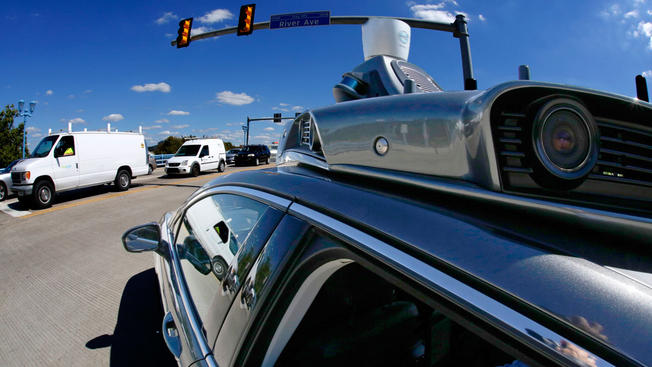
{"x":43,"y":148}
{"x":188,"y":151}
{"x":233,"y":151}
{"x":248,"y":149}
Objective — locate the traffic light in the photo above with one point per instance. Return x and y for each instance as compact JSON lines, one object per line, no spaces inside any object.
{"x":277,"y":117}
{"x":183,"y":40}
{"x":246,"y":21}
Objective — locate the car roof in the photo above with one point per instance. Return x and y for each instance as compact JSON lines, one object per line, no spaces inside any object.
{"x":572,"y":277}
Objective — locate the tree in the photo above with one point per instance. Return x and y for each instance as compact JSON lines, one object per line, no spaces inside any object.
{"x":228,"y":145}
{"x":168,"y":146}
{"x":11,"y":138}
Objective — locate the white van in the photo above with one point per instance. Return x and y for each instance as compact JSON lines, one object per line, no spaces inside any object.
{"x":196,"y":156}
{"x":66,"y":161}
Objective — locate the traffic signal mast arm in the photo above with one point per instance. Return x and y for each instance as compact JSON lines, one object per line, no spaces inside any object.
{"x":458,"y":28}
{"x":414,"y":23}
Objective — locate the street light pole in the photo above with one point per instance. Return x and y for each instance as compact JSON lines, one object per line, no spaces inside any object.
{"x":25,"y":114}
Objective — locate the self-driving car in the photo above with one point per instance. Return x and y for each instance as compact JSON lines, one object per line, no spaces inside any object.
{"x":407,"y":225}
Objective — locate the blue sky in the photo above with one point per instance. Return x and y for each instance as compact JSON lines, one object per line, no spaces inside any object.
{"x":93,"y":62}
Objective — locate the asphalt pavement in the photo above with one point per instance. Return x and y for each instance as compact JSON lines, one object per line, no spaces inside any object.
{"x":70,"y":295}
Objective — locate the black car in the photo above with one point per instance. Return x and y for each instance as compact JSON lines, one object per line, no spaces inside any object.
{"x":230,"y":155}
{"x":252,"y":154}
{"x":413,"y":226}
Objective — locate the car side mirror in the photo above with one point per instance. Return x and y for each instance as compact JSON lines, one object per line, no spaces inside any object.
{"x":142,"y":238}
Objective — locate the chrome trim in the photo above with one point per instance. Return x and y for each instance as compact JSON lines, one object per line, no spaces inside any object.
{"x":292,"y":156}
{"x":459,"y":293}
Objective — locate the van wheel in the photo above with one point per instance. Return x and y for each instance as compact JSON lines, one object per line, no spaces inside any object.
{"x":3,"y":191}
{"x":221,"y":167}
{"x":150,"y":170}
{"x":122,"y":180}
{"x":43,"y":194}
{"x":195,"y":170}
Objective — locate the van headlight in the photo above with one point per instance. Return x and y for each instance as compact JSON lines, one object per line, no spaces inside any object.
{"x":184,"y":163}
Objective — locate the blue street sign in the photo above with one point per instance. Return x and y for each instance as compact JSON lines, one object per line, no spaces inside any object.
{"x":300,"y":19}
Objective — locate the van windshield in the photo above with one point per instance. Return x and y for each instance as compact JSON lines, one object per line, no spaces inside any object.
{"x":188,"y":151}
{"x":43,"y":148}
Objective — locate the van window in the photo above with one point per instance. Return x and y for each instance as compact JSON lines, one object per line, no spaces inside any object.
{"x":43,"y":148}
{"x":65,"y":147}
{"x":188,"y":151}
{"x":204,"y":151}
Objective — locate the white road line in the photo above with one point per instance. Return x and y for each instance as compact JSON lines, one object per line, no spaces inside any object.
{"x":4,"y":207}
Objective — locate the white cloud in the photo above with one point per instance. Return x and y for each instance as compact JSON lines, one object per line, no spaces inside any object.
{"x":631,"y":14}
{"x":36,"y":135}
{"x":178,"y":113}
{"x":215,"y":16}
{"x":269,"y":129}
{"x":152,"y":127}
{"x":71,"y":96}
{"x":166,"y":18}
{"x":647,"y":74}
{"x":88,"y":91}
{"x":32,"y":129}
{"x":162,"y":121}
{"x":152,"y":87}
{"x":168,"y":132}
{"x":77,"y":120}
{"x":49,"y":92}
{"x":114,"y":117}
{"x":612,"y":11}
{"x":482,"y":18}
{"x":283,"y":104}
{"x":280,"y":109}
{"x":645,"y":29}
{"x":199,"y":30}
{"x":435,"y":12}
{"x":236,"y":99}
{"x":183,"y":126}
{"x":298,"y":108}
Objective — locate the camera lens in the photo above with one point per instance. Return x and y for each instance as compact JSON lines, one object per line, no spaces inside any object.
{"x":565,"y":139}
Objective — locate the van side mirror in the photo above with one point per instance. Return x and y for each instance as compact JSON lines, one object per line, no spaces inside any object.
{"x":142,"y":238}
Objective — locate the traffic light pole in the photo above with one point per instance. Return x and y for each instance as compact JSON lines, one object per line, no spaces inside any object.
{"x":263,"y":119}
{"x":458,"y":28}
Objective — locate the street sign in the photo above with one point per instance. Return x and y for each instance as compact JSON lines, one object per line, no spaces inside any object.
{"x":300,"y":19}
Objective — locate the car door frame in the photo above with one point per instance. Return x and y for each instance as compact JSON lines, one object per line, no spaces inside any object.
{"x":500,"y":323}
{"x":177,"y":301}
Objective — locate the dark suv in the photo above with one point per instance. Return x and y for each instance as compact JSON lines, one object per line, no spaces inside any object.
{"x":252,"y":154}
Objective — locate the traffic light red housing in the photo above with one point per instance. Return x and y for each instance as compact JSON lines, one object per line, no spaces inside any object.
{"x":183,"y":40}
{"x":246,"y":20}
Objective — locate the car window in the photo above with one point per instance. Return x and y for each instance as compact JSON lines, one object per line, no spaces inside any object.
{"x":213,"y":232}
{"x":65,"y":147}
{"x":257,"y":284}
{"x":343,"y":313}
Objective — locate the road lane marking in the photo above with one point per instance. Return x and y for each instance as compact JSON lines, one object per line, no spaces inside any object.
{"x":154,"y":185}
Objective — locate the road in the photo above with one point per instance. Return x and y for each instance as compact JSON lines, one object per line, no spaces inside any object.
{"x":69,"y":293}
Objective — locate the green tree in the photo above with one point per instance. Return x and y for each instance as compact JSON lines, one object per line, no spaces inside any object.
{"x":11,"y":138}
{"x":228,"y":145}
{"x":168,"y":146}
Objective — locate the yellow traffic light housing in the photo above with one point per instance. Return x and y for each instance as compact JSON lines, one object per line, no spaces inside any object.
{"x":183,"y":40}
{"x":246,"y":20}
